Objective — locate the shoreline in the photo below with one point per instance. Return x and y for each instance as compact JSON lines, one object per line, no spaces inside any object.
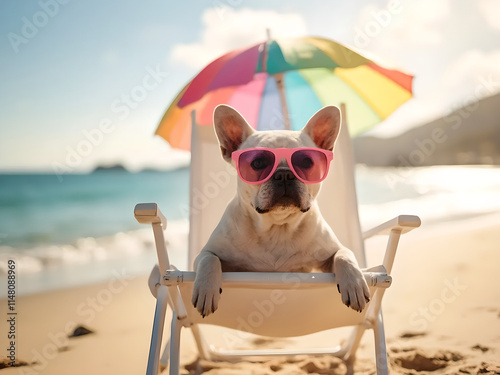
{"x":95,"y":261}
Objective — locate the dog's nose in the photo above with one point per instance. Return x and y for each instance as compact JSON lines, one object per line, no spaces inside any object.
{"x":283,"y":174}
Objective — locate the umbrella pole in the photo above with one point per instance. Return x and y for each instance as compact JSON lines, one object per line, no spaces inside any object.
{"x":279,"y":81}
{"x":343,"y":114}
{"x":284,"y":106}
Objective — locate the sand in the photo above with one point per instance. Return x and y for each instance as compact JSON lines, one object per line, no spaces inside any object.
{"x":442,"y":316}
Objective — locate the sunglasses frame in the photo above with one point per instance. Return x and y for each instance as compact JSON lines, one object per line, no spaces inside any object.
{"x":282,"y":153}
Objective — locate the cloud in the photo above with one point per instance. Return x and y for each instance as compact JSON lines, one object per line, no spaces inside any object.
{"x":225,"y":29}
{"x":417,"y":111}
{"x":490,"y":10}
{"x":419,"y":23}
{"x":472,"y":76}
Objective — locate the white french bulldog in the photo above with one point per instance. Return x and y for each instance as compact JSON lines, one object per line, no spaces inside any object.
{"x":276,"y":225}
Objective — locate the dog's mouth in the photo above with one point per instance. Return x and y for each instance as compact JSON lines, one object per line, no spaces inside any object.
{"x":283,"y":196}
{"x":283,"y":204}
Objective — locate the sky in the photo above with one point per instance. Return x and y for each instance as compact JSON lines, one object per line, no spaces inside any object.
{"x":85,"y":83}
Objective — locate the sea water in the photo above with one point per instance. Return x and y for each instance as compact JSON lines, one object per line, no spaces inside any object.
{"x":80,"y":229}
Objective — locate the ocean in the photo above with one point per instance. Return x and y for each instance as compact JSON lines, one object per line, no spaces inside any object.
{"x":82,"y":229}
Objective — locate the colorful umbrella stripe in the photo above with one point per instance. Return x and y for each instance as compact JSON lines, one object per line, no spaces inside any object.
{"x":313,"y":72}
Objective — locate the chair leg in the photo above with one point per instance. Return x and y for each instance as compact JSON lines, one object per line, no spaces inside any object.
{"x":165,"y":357}
{"x":380,"y":346}
{"x":203,"y":349}
{"x":352,"y":347}
{"x":175,"y":343}
{"x":156,"y":335}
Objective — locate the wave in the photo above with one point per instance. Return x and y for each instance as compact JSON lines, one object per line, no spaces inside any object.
{"x":89,"y":256}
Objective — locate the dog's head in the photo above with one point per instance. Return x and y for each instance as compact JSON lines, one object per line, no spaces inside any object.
{"x":283,"y":192}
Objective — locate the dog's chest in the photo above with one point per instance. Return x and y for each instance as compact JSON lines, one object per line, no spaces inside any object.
{"x":243,"y":244}
{"x":271,"y":255}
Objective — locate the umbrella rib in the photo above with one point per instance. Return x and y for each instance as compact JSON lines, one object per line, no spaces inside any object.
{"x":281,"y":89}
{"x":264,"y":58}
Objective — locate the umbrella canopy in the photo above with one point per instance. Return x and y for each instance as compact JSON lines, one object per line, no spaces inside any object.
{"x":280,"y":84}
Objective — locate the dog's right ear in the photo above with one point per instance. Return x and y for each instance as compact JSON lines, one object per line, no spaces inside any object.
{"x":231,"y":129}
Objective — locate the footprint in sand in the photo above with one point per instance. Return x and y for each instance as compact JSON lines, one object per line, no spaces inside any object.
{"x":416,"y":359}
{"x":480,"y":348}
{"x":80,"y":331}
{"x":412,"y":335}
{"x":4,"y":363}
{"x":325,"y":365}
{"x":483,"y":368}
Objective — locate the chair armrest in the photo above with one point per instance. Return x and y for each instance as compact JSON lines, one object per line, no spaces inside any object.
{"x":402,"y":223}
{"x":149,"y":213}
{"x":376,"y":277}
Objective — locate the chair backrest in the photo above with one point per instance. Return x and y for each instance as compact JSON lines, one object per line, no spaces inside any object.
{"x":213,"y":185}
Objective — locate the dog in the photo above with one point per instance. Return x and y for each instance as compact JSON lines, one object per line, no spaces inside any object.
{"x":275,"y":225}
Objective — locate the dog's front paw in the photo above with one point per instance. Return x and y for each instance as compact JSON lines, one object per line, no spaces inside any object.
{"x":352,"y":287}
{"x":206,"y":295}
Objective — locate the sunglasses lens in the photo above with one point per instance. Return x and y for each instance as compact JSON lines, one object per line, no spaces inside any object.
{"x":256,"y":165}
{"x":310,"y":165}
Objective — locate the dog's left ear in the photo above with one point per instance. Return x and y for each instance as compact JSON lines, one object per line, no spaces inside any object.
{"x":231,"y":129}
{"x":324,"y":127}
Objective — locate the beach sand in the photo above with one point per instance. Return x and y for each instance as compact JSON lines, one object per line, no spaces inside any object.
{"x":442,"y":316}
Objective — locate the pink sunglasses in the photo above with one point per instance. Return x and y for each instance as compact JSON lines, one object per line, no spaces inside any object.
{"x":257,"y":165}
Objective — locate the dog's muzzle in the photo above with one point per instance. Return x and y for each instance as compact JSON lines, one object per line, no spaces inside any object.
{"x":286,"y":189}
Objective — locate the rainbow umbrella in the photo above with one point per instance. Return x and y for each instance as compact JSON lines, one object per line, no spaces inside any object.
{"x":280,"y":84}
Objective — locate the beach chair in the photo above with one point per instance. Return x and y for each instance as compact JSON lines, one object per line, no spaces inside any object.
{"x":268,"y":304}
